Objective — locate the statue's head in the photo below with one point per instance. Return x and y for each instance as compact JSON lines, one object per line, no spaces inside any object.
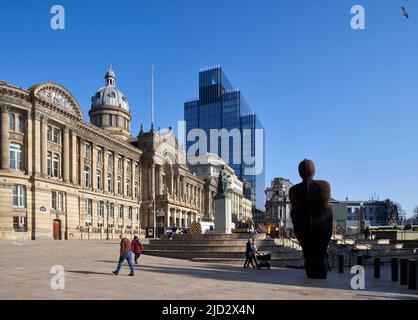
{"x":306,"y":169}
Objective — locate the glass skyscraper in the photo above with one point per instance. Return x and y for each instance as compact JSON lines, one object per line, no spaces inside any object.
{"x":221,"y":107}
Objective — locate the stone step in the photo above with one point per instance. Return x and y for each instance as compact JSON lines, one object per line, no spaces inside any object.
{"x":189,"y":255}
{"x":215,"y":242}
{"x":209,"y":236}
{"x":274,"y":262}
{"x":213,"y":248}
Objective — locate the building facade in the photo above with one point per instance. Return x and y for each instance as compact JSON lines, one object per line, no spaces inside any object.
{"x":221,"y":107}
{"x":278,"y":204}
{"x":62,"y":177}
{"x":208,"y":170}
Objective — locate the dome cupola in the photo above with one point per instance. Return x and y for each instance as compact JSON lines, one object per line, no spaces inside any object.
{"x":110,"y":108}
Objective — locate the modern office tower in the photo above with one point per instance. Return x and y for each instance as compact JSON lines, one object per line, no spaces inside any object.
{"x":221,"y":109}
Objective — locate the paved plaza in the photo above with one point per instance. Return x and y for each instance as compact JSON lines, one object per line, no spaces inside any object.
{"x":25,"y":274}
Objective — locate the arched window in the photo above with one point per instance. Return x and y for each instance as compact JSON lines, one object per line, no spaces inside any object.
{"x":15,"y":162}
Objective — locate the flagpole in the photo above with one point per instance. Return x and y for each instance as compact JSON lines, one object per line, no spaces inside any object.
{"x":152,"y":98}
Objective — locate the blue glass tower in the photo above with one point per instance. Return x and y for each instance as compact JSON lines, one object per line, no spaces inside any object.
{"x":222,"y":107}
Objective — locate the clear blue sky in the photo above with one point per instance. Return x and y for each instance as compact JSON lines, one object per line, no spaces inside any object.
{"x":346,"y":99}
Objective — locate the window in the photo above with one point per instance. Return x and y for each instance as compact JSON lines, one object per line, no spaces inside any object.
{"x":120,"y":212}
{"x":128,"y":187}
{"x":110,"y":120}
{"x":89,"y":207}
{"x":99,"y":156}
{"x":12,"y":122}
{"x":128,"y":167}
{"x":86,"y":151}
{"x":136,"y":169}
{"x":56,"y":136}
{"x":15,"y":157}
{"x":119,"y":163}
{"x":19,"y":196}
{"x":99,"y":121}
{"x":119,"y":186}
{"x":86,"y":176}
{"x":49,"y":133}
{"x":49,"y":164}
{"x":109,"y":182}
{"x":20,"y":224}
{"x":136,"y":190}
{"x":129,"y":213}
{"x":100,"y":209}
{"x":116,"y":124}
{"x":57,"y":200}
{"x":137,"y":214}
{"x":56,"y":165}
{"x":98,"y":179}
{"x":109,"y":160}
{"x":111,"y":211}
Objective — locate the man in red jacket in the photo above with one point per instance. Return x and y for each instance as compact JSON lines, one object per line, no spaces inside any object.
{"x":125,"y":253}
{"x":136,"y":246}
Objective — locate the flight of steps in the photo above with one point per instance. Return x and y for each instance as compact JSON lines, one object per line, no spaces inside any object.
{"x":220,"y":248}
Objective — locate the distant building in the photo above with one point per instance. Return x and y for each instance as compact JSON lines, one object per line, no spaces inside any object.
{"x":221,"y":106}
{"x":278,"y":203}
{"x":208,"y":170}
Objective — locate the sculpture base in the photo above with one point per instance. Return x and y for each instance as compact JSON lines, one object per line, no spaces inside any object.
{"x":223,"y":216}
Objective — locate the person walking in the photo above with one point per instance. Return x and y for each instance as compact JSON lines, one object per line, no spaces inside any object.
{"x":248,"y":254}
{"x":125,"y":253}
{"x":136,"y":247}
{"x":254,"y":251}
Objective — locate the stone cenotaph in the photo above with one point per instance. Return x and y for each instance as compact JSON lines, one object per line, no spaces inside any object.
{"x":223,"y":205}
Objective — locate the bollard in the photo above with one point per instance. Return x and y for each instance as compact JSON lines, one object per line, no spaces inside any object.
{"x":412,"y":274}
{"x":341,"y":263}
{"x":377,"y":268}
{"x":395,"y":269}
{"x":404,"y":272}
{"x":360,"y":260}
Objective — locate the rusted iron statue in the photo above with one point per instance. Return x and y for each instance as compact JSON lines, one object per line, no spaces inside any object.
{"x":312,"y":219}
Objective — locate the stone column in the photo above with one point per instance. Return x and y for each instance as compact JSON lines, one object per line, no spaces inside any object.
{"x":172,"y":183}
{"x":132,"y":179}
{"x":37,"y":143}
{"x":81,"y":164}
{"x":5,"y":136}
{"x":124,"y":176}
{"x":168,"y":217}
{"x":94,"y":165}
{"x":115,"y":172}
{"x":66,"y":155}
{"x":178,"y":185}
{"x":28,"y":144}
{"x":174,"y":217}
{"x":152,"y":180}
{"x":44,"y":146}
{"x":140,"y":180}
{"x":105,"y":159}
{"x":74,"y":157}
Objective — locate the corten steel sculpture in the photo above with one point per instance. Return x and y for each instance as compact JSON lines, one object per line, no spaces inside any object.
{"x":312,"y":219}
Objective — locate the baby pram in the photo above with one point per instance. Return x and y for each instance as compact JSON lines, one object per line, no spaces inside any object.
{"x":264,"y":260}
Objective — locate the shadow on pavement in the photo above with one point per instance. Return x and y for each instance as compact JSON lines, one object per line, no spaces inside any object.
{"x":275,"y":276}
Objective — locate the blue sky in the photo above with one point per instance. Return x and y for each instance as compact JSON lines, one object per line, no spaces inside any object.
{"x":346,"y":99}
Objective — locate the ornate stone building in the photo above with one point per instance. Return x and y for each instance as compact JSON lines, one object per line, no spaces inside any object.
{"x":208,"y":169}
{"x":278,"y":203}
{"x":64,"y":178}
